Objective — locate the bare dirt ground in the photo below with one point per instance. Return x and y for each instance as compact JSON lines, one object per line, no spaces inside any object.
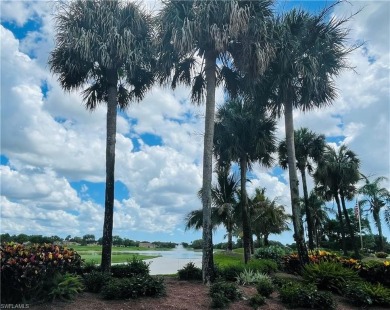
{"x":181,"y":295}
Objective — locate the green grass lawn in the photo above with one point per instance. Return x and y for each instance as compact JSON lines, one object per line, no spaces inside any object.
{"x":225,"y":258}
{"x":115,"y":257}
{"x":94,"y":248}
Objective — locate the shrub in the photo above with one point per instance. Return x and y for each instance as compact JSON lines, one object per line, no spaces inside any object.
{"x":249,"y":276}
{"x":222,"y":293}
{"x":274,"y":252}
{"x":291,"y":264}
{"x":381,"y":254}
{"x":262,"y":265}
{"x":134,"y":267}
{"x":123,"y":288}
{"x":25,"y":269}
{"x":374,"y":271}
{"x":365,"y":294}
{"x":90,"y":266}
{"x":230,"y":272}
{"x":190,"y":272}
{"x":256,"y":301}
{"x":95,"y":280}
{"x":305,"y":295}
{"x":66,"y":286}
{"x":265,"y":286}
{"x":329,"y":276}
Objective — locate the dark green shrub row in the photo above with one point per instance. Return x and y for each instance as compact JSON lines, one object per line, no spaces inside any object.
{"x":273,"y":252}
{"x":381,"y":254}
{"x":134,"y":267}
{"x":306,"y":295}
{"x":135,"y":287}
{"x":231,"y":272}
{"x":190,"y":272}
{"x":256,"y":301}
{"x":222,"y":293}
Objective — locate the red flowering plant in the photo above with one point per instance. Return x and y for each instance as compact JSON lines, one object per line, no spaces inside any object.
{"x":26,"y":269}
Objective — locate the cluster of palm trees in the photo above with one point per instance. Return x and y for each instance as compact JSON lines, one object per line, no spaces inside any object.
{"x":268,"y":64}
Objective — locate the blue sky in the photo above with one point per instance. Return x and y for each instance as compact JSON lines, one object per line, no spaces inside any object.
{"x":52,"y":149}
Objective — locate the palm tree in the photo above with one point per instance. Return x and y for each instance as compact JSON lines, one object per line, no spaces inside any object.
{"x":376,"y":197}
{"x":224,"y":199}
{"x":104,"y":45}
{"x":224,"y":205}
{"x":308,"y":145}
{"x":310,"y":52}
{"x":338,"y":172}
{"x":206,"y":29}
{"x":244,"y":134}
{"x":319,"y":215}
{"x":268,"y":217}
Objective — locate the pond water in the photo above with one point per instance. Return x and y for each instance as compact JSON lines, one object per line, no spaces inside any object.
{"x":171,"y":261}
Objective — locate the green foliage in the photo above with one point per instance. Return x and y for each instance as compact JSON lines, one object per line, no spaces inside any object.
{"x":25,"y":269}
{"x":256,"y":301}
{"x":367,"y":294}
{"x":274,"y":252}
{"x":134,"y":267}
{"x":248,"y":276}
{"x":190,"y":272}
{"x":135,"y":287}
{"x":66,"y":286}
{"x":95,"y":280}
{"x":291,"y":264}
{"x":263,"y":265}
{"x":230,"y":272}
{"x":197,"y":244}
{"x":265,"y":286}
{"x":381,"y":254}
{"x":90,"y":266}
{"x":329,"y":276}
{"x":222,"y":293}
{"x":375,"y":272}
{"x":305,"y":295}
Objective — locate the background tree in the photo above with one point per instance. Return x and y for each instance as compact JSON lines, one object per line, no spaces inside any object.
{"x":310,"y":51}
{"x":376,"y":197}
{"x":205,"y":29}
{"x":308,"y":148}
{"x":244,"y":134}
{"x":268,"y":217}
{"x":104,"y":45}
{"x":337,"y":173}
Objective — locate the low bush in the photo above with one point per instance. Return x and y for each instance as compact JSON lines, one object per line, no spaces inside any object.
{"x":262,"y":265}
{"x":368,"y":294}
{"x":230,"y":272}
{"x":190,"y":272}
{"x":222,"y":293}
{"x":135,"y":287}
{"x":329,"y":276}
{"x":306,"y":296}
{"x":374,"y":271}
{"x":90,"y":266}
{"x":249,"y":276}
{"x":381,"y":254}
{"x":256,"y":301}
{"x":265,"y":286}
{"x":95,"y":280}
{"x":291,"y":264}
{"x":65,"y":287}
{"x":134,"y":267}
{"x":273,"y":252}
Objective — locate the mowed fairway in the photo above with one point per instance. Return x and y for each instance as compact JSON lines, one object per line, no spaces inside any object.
{"x":119,"y":254}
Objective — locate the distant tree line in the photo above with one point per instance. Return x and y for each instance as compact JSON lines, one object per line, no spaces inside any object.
{"x":84,"y":240}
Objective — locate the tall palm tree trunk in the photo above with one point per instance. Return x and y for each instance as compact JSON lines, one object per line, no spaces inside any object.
{"x":379,"y":225}
{"x":207,"y":258}
{"x":244,"y":211}
{"x":349,"y":225}
{"x":309,"y":219}
{"x":110,"y":179}
{"x":341,"y":222}
{"x":294,"y":190}
{"x":230,"y":238}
